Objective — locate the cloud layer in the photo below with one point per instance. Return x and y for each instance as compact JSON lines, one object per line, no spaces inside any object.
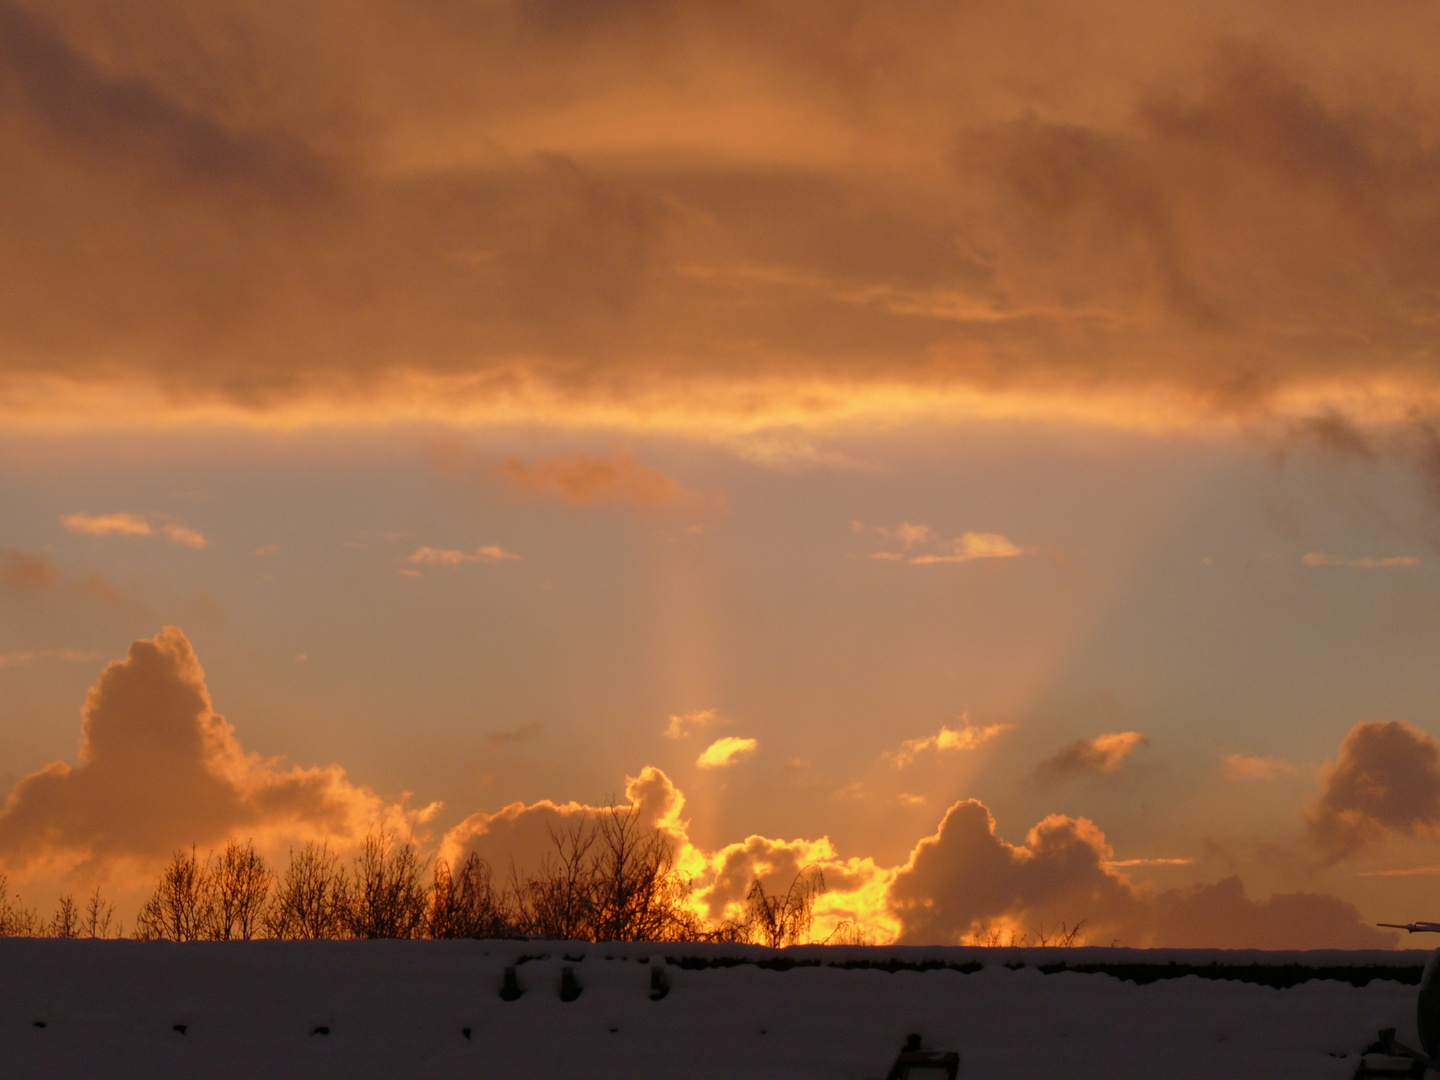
{"x":701,"y":215}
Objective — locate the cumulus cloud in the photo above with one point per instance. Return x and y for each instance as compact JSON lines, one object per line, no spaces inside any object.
{"x":519,"y":835}
{"x":954,"y":884}
{"x":1386,"y":778}
{"x":726,"y":752}
{"x":1100,"y":756}
{"x":965,"y":879}
{"x":967,"y":737}
{"x":1365,"y":562}
{"x":160,"y":769}
{"x":125,"y":524}
{"x":451,"y":557}
{"x":1250,"y":767}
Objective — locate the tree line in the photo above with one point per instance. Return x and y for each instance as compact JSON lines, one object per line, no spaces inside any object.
{"x":608,"y":878}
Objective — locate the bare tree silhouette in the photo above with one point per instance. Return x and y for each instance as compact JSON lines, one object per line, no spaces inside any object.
{"x":465,"y":904}
{"x":311,"y":899}
{"x":66,"y":921}
{"x":386,"y":897}
{"x":239,"y":884}
{"x":179,"y":908}
{"x":777,"y":920}
{"x":98,"y":913}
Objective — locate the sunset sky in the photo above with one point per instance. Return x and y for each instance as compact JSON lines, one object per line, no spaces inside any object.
{"x":845,"y":428}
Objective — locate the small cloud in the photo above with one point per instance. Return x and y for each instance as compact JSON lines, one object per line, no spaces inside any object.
{"x":724,"y":752}
{"x":24,"y":573}
{"x":1114,"y":863}
{"x":968,"y":737}
{"x":585,"y":479}
{"x":975,"y":545}
{"x":1246,"y":767}
{"x":1411,"y":871}
{"x":266,"y":551}
{"x":25,"y":659}
{"x":125,"y":524}
{"x":681,"y":724}
{"x":1317,"y":558}
{"x":921,"y":545}
{"x":107,"y":524}
{"x":450,"y":557}
{"x":410,"y":573}
{"x":301,"y":658}
{"x":1102,"y":755}
{"x":910,"y":800}
{"x":521,"y":734}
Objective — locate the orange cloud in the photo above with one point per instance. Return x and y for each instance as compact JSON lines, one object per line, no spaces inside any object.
{"x":967,"y":737}
{"x":160,"y":769}
{"x":681,"y":724}
{"x":24,"y":573}
{"x":725,"y":752}
{"x":1316,"y":558}
{"x":1386,"y":778}
{"x":25,"y":659}
{"x":967,"y":547}
{"x":566,"y":240}
{"x":965,"y":879}
{"x":584,"y":479}
{"x":125,"y":524}
{"x":1101,"y":755}
{"x":954,"y":884}
{"x":1246,"y":767}
{"x":449,"y":557}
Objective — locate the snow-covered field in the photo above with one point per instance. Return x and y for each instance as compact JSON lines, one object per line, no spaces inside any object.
{"x":403,"y":1009}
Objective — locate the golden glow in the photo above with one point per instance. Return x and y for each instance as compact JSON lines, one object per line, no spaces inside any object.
{"x":764,"y":418}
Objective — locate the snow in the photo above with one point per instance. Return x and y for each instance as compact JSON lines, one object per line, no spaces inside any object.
{"x":396,"y":1009}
